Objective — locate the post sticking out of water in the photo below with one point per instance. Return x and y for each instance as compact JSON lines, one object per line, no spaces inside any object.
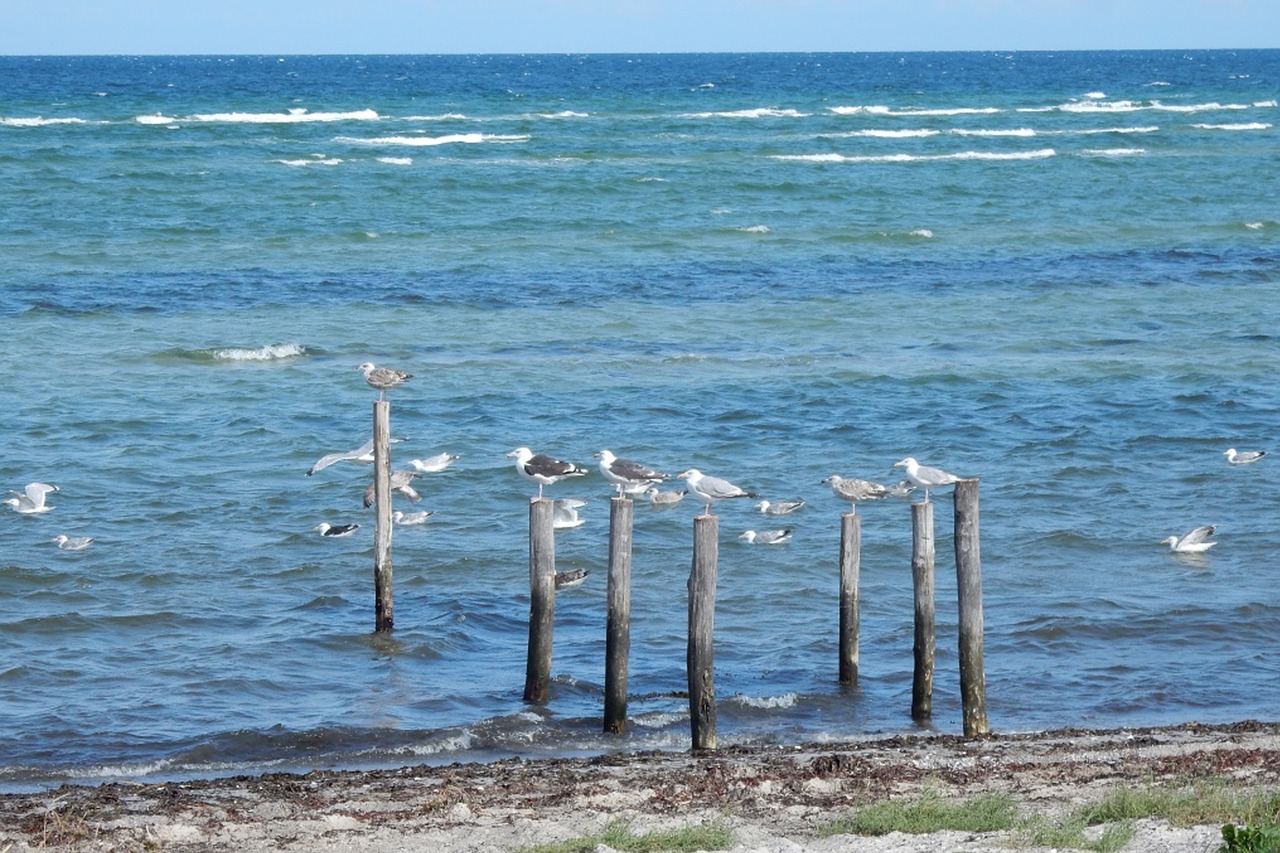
{"x":384,"y":607}
{"x":922,"y":556}
{"x":701,"y":655}
{"x":618,"y":629}
{"x":973,"y":682}
{"x":542,"y":600}
{"x":850,"y":563}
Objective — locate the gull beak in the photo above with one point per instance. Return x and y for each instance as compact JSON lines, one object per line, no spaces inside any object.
{"x":682,"y":475}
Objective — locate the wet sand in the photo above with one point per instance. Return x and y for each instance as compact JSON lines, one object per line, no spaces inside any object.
{"x":771,"y":799}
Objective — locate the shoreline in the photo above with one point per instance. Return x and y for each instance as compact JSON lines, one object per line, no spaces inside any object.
{"x":770,"y":798}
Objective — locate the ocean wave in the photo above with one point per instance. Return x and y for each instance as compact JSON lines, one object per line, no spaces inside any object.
{"x":41,"y":121}
{"x":270,"y":352}
{"x":1113,"y":152}
{"x":396,"y":161}
{"x":759,"y":112}
{"x":1252,"y":125}
{"x":155,"y":118}
{"x":886,"y":134}
{"x":786,"y":700}
{"x":427,"y":141}
{"x":293,"y":116}
{"x":1013,"y":131}
{"x":314,"y":160}
{"x":914,"y":158}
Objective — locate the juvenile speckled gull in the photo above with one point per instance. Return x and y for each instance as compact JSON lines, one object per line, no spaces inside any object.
{"x":31,"y":499}
{"x":71,"y":543}
{"x":541,"y":469}
{"x":626,"y":474}
{"x":1194,"y":541}
{"x":433,"y":464}
{"x":383,"y":378}
{"x":853,"y":490}
{"x":711,"y":489}
{"x":1243,"y":457}
{"x":925,"y":477}
{"x":569,"y":578}
{"x":779,"y":507}
{"x":765,"y":537}
{"x":333,"y":531}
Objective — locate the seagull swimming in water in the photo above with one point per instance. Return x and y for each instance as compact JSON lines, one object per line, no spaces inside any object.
{"x":711,"y":489}
{"x":765,"y":537}
{"x":543,"y":470}
{"x":333,"y":531}
{"x":925,"y":477}
{"x":433,"y":464}
{"x":564,"y":513}
{"x":400,"y":481}
{"x":569,"y":578}
{"x":779,"y":507}
{"x":628,"y":476}
{"x":71,"y":543}
{"x":419,"y":517}
{"x":659,"y":498}
{"x":1243,"y":457}
{"x":383,"y":378}
{"x":1192,"y":542}
{"x":31,"y":500}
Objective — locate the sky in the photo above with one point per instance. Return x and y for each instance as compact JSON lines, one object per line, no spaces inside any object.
{"x":49,"y":27}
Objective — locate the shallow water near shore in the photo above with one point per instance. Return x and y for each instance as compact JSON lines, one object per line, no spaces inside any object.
{"x":1054,"y":272}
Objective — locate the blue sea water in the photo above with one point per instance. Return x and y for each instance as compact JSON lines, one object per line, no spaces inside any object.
{"x":1056,"y":272}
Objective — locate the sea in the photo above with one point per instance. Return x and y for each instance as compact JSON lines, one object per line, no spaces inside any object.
{"x":1058,"y":273}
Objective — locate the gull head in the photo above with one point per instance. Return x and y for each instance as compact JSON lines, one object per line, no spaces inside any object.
{"x":605,"y":456}
{"x":521,"y":453}
{"x":907,"y":463}
{"x":1170,"y":541}
{"x":692,"y":473}
{"x":366,"y":367}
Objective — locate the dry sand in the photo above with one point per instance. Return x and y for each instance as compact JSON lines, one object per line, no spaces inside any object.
{"x":772,"y":799}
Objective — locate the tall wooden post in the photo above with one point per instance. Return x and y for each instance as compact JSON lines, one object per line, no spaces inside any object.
{"x":701,"y":655}
{"x":850,"y":563}
{"x":618,"y":628}
{"x":384,"y":604}
{"x":973,"y":682}
{"x":542,"y":600}
{"x":922,"y":555}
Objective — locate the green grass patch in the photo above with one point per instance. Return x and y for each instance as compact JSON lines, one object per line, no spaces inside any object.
{"x":619,"y":836}
{"x":930,"y":813}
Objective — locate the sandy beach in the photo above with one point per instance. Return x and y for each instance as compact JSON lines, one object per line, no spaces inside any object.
{"x":770,"y":799}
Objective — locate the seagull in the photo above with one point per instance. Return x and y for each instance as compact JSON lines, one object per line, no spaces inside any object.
{"x":31,"y":499}
{"x":542,"y":469}
{"x":925,"y":477}
{"x":628,"y":475}
{"x":765,"y":537}
{"x":1243,"y":457}
{"x":72,"y":543}
{"x":660,"y":499}
{"x":570,"y":578}
{"x":383,"y":378}
{"x":1192,"y":542}
{"x":853,"y":490}
{"x":779,"y":508}
{"x":400,"y":481}
{"x":711,"y":489}
{"x":564,"y":513}
{"x":419,"y":517}
{"x":363,"y":453}
{"x":433,"y":464}
{"x":332,"y":531}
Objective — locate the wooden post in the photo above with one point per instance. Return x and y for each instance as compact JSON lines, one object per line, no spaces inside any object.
{"x":384,"y":604}
{"x":542,"y":600}
{"x":701,"y":656}
{"x":973,"y":681}
{"x":922,"y":553}
{"x":850,"y":562}
{"x":618,"y":628}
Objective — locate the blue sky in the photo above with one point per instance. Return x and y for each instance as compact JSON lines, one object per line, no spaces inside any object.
{"x":567,"y":26}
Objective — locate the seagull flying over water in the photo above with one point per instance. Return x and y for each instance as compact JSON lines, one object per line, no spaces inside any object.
{"x":628,"y":475}
{"x":383,"y":378}
{"x":925,"y":477}
{"x":543,"y":470}
{"x":71,"y":543}
{"x":711,"y":489}
{"x":1192,"y":542}
{"x":765,"y":537}
{"x":433,"y":464}
{"x":31,"y":499}
{"x":1243,"y":457}
{"x":363,"y":453}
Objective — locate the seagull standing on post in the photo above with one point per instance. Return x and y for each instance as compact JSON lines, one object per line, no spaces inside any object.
{"x":542,"y":469}
{"x":383,"y":378}
{"x":712,"y":489}
{"x":628,"y":475}
{"x":925,"y":477}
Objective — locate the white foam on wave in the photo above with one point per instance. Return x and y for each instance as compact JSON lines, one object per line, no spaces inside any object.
{"x":759,"y":112}
{"x":441,"y":117}
{"x":1113,"y":152}
{"x":786,"y":700}
{"x":155,"y":118}
{"x":880,"y":110}
{"x":1097,"y":130}
{"x":1012,"y":131}
{"x":396,"y":161}
{"x":314,"y":160}
{"x":1038,"y":154}
{"x":921,"y":232}
{"x":40,"y":121}
{"x":1255,"y":226}
{"x":291,"y":117}
{"x":1252,"y":125}
{"x":270,"y":352}
{"x":428,"y":141}
{"x":562,"y":114}
{"x":917,"y":133}
{"x":755,"y":229}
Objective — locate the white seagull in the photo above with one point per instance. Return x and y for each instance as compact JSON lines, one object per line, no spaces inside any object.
{"x":711,"y":489}
{"x":363,"y":453}
{"x":660,"y":498}
{"x":1192,"y":542}
{"x":1243,"y":457}
{"x":628,"y":476}
{"x":925,"y":477}
{"x":419,"y":517}
{"x":780,"y":507}
{"x":765,"y":537}
{"x":383,"y":378}
{"x":31,"y":499}
{"x":400,"y":481}
{"x":71,"y":543}
{"x":543,"y":470}
{"x":564,"y":513}
{"x":333,"y":531}
{"x":433,"y":464}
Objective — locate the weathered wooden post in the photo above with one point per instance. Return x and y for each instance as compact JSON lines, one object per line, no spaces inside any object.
{"x":973,"y":682}
{"x":618,"y":627}
{"x":384,"y":603}
{"x":850,"y":563}
{"x":542,"y":599}
{"x":922,"y":554}
{"x":701,"y":655}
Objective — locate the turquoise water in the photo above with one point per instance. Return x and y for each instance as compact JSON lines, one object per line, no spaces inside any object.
{"x":1054,"y":272}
